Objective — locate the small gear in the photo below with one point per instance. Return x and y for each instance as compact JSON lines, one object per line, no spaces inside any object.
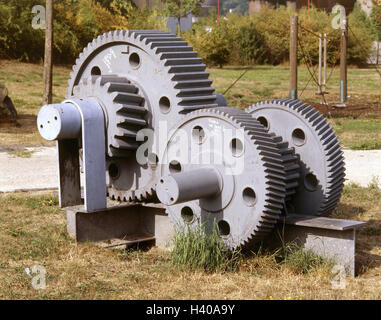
{"x":321,"y":160}
{"x":124,"y":110}
{"x":251,"y":200}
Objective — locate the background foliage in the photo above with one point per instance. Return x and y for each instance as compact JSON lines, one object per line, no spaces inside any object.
{"x":262,"y":38}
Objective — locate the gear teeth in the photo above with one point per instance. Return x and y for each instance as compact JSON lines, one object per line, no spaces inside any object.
{"x":127,"y":105}
{"x":180,"y":61}
{"x":333,"y":155}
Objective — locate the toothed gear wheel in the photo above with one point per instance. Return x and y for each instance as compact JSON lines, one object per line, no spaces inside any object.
{"x":251,"y":167}
{"x":291,"y":166}
{"x":124,"y":110}
{"x":169,"y":75}
{"x":321,"y":161}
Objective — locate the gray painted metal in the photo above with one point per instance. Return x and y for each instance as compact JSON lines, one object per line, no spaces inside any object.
{"x":251,"y":199}
{"x":321,"y":161}
{"x":168,"y":74}
{"x":190,"y":185}
{"x":93,"y":146}
{"x":61,"y":122}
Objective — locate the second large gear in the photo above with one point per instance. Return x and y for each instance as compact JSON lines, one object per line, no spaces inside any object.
{"x":321,"y":160}
{"x":247,"y":163}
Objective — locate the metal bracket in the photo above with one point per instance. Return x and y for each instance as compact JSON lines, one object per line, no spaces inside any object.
{"x":66,"y":123}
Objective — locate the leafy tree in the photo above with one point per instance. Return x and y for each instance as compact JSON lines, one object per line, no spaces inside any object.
{"x":375,"y":20}
{"x":181,"y":8}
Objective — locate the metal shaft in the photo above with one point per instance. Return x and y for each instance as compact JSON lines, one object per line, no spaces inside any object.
{"x":188,"y":186}
{"x":59,"y":122}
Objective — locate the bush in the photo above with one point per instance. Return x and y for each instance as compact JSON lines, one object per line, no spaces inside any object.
{"x":76,"y":23}
{"x":264,"y":37}
{"x":239,"y":40}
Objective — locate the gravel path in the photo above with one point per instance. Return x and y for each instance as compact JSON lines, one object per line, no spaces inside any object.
{"x":40,"y":170}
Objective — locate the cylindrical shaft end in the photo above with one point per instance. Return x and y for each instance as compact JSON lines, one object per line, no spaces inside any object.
{"x":188,"y":186}
{"x":59,"y":122}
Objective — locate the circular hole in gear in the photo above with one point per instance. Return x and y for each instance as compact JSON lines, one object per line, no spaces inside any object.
{"x":174,"y":167}
{"x":113,"y":171}
{"x":164,"y":104}
{"x":236,"y":147}
{"x":96,"y":71}
{"x":263,"y":121}
{"x":249,"y":196}
{"x":223,"y":228}
{"x":311,"y":182}
{"x":198,"y":134}
{"x":134,"y":60}
{"x":187,"y":214}
{"x":298,"y":137}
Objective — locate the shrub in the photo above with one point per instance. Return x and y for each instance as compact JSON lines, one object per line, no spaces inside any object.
{"x":252,"y":46}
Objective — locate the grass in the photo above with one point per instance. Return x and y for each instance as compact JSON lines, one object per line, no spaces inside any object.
{"x":359,"y":134}
{"x":195,"y":249}
{"x":24,"y":82}
{"x":33,"y":232}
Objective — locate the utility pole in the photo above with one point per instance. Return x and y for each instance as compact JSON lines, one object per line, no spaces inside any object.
{"x":325,"y":64}
{"x":294,"y":58}
{"x":343,"y":61}
{"x":48,"y":60}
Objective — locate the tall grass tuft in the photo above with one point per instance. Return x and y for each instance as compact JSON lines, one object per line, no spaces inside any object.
{"x":302,"y":261}
{"x":195,"y":249}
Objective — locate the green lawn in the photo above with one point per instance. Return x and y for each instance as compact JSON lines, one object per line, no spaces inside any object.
{"x":24,"y":82}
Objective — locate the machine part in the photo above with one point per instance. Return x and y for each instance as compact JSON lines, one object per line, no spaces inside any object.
{"x":165,"y":68}
{"x":321,"y":159}
{"x":168,"y":74}
{"x":124,"y":110}
{"x":67,"y":123}
{"x":291,"y":166}
{"x":230,"y":172}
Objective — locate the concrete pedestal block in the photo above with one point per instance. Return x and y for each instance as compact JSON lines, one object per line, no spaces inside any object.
{"x":329,"y":238}
{"x":127,"y":223}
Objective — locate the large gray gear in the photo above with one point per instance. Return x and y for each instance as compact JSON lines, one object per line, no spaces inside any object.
{"x":168,"y":74}
{"x":249,"y":215}
{"x":321,"y":160}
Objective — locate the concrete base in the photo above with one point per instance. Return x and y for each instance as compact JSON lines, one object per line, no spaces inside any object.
{"x":127,"y":223}
{"x":330,"y":238}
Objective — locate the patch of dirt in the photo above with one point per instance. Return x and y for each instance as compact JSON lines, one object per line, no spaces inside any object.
{"x":353,"y":109}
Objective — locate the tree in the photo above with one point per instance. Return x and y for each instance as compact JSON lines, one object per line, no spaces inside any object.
{"x":48,"y":61}
{"x":180,"y":9}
